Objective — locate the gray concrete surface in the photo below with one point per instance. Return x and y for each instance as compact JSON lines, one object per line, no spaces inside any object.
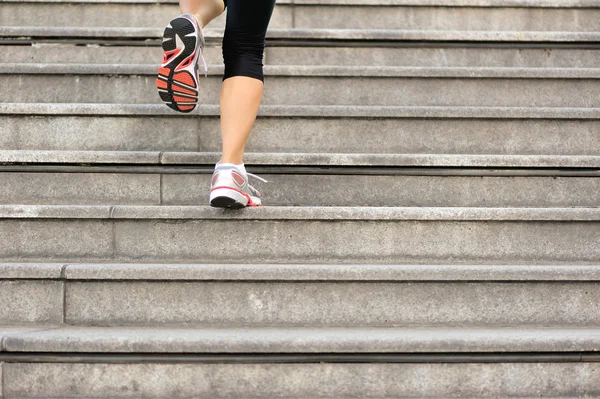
{"x":326,"y":272}
{"x":373,"y":55}
{"x":139,"y":158}
{"x":297,"y":90}
{"x":303,"y":380}
{"x":362,"y":159}
{"x":342,"y":134}
{"x":327,"y":304}
{"x":305,"y":340}
{"x":55,"y":239}
{"x":296,"y":234}
{"x":79,"y":188}
{"x":349,"y":35}
{"x":47,"y":271}
{"x":349,"y":190}
{"x":319,"y":16}
{"x":430,"y":56}
{"x":31,"y":302}
{"x":289,"y":189}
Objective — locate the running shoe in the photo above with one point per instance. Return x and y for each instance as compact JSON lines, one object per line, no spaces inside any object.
{"x":230,"y":189}
{"x":183,"y":46}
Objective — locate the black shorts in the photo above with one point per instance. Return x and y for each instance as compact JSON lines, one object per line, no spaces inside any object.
{"x":244,"y":38}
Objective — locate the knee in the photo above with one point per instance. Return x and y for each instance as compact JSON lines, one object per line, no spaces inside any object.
{"x":243,"y":54}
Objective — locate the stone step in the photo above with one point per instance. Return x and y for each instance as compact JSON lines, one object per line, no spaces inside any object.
{"x":90,"y":35}
{"x":107,"y":52}
{"x":348,"y":183}
{"x":307,"y":129}
{"x":365,"y":14}
{"x":388,"y":235}
{"x":439,"y":187}
{"x":148,"y":158}
{"x":298,"y":295}
{"x":329,"y":129}
{"x":418,"y":365}
{"x":318,"y":85}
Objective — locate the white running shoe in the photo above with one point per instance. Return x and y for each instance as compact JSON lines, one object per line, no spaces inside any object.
{"x":183,"y":46}
{"x":230,"y":189}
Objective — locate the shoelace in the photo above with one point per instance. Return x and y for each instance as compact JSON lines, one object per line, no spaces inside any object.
{"x":257,"y":177}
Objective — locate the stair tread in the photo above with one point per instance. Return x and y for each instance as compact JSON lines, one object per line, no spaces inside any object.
{"x":298,"y":272}
{"x":310,"y":34}
{"x":318,"y":71}
{"x":191,"y":212}
{"x":345,"y":111}
{"x":300,"y":339}
{"x":300,"y":159}
{"x":428,"y":3}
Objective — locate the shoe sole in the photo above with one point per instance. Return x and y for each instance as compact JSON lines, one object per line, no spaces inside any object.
{"x":177,"y":80}
{"x":232,"y":199}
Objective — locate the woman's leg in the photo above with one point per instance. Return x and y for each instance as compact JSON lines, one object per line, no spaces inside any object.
{"x":241,"y":93}
{"x":204,"y":10}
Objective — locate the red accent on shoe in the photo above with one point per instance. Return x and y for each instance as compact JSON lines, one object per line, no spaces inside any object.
{"x":161,"y":84}
{"x":183,"y":91}
{"x":183,"y":99}
{"x":238,"y":178}
{"x":186,"y":78}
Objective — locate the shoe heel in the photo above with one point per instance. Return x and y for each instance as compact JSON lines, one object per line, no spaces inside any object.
{"x":227,"y":198}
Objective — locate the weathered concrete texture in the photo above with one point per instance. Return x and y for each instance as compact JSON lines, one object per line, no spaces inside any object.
{"x":305,"y":235}
{"x":291,"y":55}
{"x":208,"y":159}
{"x":271,"y":340}
{"x":31,"y":270}
{"x":446,"y":18}
{"x":328,"y":272}
{"x":79,"y":157}
{"x":25,"y":302}
{"x":313,"y":134}
{"x":314,"y":213}
{"x":360,"y":242}
{"x":67,"y":52}
{"x":332,"y":304}
{"x":366,"y":159}
{"x":349,"y":190}
{"x":215,"y":35}
{"x":311,"y":111}
{"x":302,"y":380}
{"x":93,"y":133}
{"x":79,"y":188}
{"x":432,"y":56}
{"x":55,"y":239}
{"x":413,"y":91}
{"x":317,"y":16}
{"x":126,"y":14}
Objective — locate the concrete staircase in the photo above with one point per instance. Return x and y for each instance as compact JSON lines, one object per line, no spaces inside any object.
{"x":431,"y":226}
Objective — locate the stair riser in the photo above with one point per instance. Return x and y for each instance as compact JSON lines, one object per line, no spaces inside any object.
{"x":315,"y":16}
{"x":31,"y":302}
{"x":76,"y":380}
{"x":131,"y":303}
{"x":303,"y":241}
{"x":305,"y":134}
{"x":318,"y":91}
{"x":332,"y":304}
{"x":351,"y":56}
{"x":305,"y":190}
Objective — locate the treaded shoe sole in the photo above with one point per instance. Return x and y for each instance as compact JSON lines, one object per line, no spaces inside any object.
{"x":177,"y":80}
{"x":223,"y":197}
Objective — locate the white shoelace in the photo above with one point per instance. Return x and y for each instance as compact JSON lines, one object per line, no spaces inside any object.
{"x":257,"y":177}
